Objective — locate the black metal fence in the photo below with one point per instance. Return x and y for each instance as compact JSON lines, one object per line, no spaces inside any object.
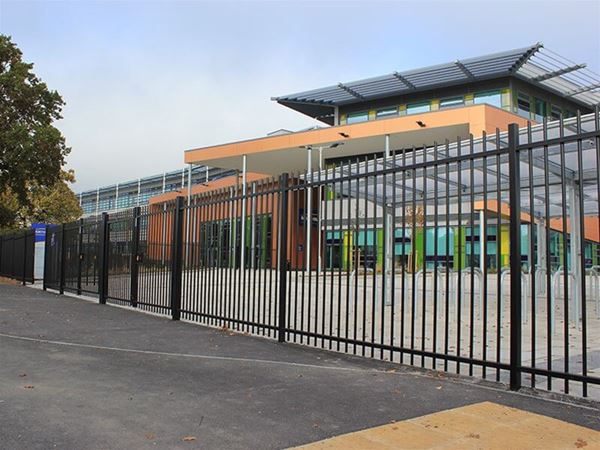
{"x":479,"y":257}
{"x":17,"y":254}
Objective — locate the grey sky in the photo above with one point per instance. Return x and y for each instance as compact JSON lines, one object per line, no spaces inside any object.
{"x":144,"y":81}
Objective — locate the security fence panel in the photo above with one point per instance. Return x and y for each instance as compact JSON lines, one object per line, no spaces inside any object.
{"x":479,"y":257}
{"x":89,"y":255}
{"x":119,"y":257}
{"x":152,"y":271}
{"x":230,"y":273}
{"x":559,"y":196}
{"x":17,"y":253}
{"x":53,"y":257}
{"x":71,"y":257}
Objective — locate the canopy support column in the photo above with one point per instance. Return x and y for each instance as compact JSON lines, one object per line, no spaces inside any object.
{"x":575,"y":247}
{"x":482,"y":249}
{"x":319,"y":220}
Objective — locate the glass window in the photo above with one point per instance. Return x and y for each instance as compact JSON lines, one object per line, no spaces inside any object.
{"x":387,"y":112}
{"x":523,"y":105}
{"x":415,"y":108}
{"x":493,"y":98}
{"x":540,"y":109}
{"x":450,"y":102}
{"x":357,"y":117}
{"x":555,"y":112}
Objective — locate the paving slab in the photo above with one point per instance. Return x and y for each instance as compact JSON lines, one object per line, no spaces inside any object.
{"x":481,"y":425}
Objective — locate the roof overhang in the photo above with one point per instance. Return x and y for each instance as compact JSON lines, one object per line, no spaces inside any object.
{"x":274,"y":155}
{"x":535,"y":65}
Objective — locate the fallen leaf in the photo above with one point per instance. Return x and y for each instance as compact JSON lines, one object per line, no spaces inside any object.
{"x":22,"y":375}
{"x":189,"y":438}
{"x":580,"y":443}
{"x":150,"y":436}
{"x":28,"y":386}
{"x":473,"y":435}
{"x":438,"y":387}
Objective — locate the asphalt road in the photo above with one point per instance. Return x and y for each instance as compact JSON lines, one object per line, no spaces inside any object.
{"x":78,"y":375}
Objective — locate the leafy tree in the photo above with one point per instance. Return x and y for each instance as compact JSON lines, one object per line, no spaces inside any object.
{"x":53,"y":204}
{"x":32,"y":150}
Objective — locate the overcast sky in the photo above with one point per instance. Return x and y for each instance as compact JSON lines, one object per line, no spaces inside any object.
{"x":144,"y":81}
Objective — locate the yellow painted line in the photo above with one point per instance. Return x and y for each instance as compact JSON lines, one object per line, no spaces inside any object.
{"x":484,"y":425}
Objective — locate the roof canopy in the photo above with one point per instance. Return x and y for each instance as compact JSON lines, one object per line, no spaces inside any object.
{"x":534,"y":64}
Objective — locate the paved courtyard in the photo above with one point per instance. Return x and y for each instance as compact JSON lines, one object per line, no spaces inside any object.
{"x":78,"y":375}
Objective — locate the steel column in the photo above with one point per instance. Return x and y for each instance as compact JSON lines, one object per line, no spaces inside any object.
{"x":103,"y":257}
{"x":482,"y":234}
{"x":177,"y":259}
{"x":61,"y":283}
{"x":243,"y":218}
{"x":282,"y":254}
{"x":46,"y":255}
{"x":575,"y":247}
{"x":308,"y":213}
{"x":135,"y":256}
{"x":515,"y":256}
{"x":80,"y":256}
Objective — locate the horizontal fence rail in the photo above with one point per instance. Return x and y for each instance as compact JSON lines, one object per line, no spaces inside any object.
{"x":478,"y":257}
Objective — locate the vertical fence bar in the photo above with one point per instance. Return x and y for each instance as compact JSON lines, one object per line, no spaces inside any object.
{"x":63,"y":248}
{"x":46,"y":257}
{"x":103,"y":257}
{"x":135,"y":244}
{"x":283,"y":237}
{"x":80,"y":255}
{"x":177,"y":258}
{"x":515,"y":256}
{"x":24,"y":278}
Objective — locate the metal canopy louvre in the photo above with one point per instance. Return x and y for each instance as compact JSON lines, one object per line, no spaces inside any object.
{"x":419,"y":164}
{"x":533,"y":64}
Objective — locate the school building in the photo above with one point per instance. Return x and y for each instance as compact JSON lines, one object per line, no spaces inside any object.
{"x":412,"y":109}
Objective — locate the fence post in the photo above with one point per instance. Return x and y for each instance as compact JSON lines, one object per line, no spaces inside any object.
{"x":80,"y":256}
{"x":135,"y":256}
{"x":283,"y":244}
{"x":177,"y":258}
{"x":46,"y":254}
{"x":103,"y":272}
{"x":61,"y":279}
{"x":24,"y":238}
{"x":515,"y":256}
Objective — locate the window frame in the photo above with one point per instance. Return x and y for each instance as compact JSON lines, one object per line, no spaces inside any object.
{"x":349,"y":117}
{"x":416,"y":105}
{"x":521,"y":112}
{"x":386,"y":115}
{"x":496,"y":93}
{"x":452,"y":105}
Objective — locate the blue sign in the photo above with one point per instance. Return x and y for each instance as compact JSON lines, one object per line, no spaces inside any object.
{"x":40,"y":231}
